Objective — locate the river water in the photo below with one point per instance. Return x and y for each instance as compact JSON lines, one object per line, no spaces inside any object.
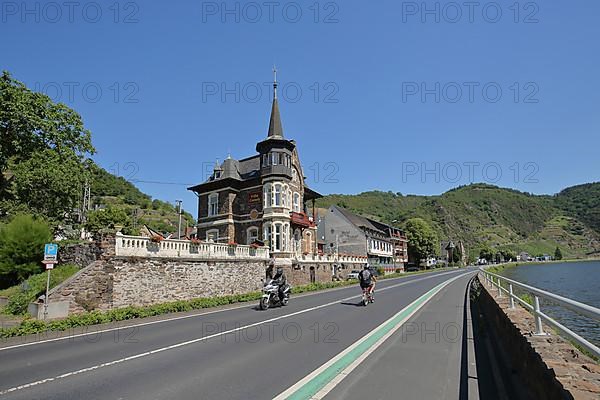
{"x":576,"y":280}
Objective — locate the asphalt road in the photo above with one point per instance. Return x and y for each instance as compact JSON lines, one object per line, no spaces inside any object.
{"x":243,"y":353}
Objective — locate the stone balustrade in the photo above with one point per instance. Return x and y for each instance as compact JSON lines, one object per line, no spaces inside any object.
{"x":140,"y":246}
{"x":330,"y":258}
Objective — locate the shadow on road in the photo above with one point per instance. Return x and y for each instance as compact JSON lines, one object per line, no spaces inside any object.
{"x":495,"y":377}
{"x":352,"y":304}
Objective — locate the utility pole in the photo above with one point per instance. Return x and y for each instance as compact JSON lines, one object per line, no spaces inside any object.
{"x":179,"y":203}
{"x":85,"y":206}
{"x":134,"y":215}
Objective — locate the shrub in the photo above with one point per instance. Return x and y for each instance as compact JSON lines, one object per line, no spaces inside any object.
{"x":22,"y":248}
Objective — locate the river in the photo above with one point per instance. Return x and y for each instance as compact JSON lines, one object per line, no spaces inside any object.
{"x":576,"y":280}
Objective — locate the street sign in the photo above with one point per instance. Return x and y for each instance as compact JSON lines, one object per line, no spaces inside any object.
{"x":50,"y":258}
{"x":50,"y":252}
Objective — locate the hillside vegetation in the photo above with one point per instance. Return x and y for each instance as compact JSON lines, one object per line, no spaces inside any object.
{"x":136,"y":208}
{"x":484,"y":215}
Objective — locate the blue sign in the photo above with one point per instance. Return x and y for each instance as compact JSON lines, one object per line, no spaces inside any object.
{"x":50,"y":251}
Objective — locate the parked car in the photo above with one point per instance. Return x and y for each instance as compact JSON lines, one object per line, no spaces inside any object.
{"x":353,"y":274}
{"x":412,"y":268}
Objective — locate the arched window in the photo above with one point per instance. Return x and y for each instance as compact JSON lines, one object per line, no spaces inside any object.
{"x":308,"y":248}
{"x":277,"y":239}
{"x":285,"y":237}
{"x":277,"y":195}
{"x":267,"y":232}
{"x":297,"y":202}
{"x":297,"y":241}
{"x":267,"y":191}
{"x":284,"y":196}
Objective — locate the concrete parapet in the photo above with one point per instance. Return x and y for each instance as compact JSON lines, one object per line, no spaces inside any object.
{"x":549,"y":366}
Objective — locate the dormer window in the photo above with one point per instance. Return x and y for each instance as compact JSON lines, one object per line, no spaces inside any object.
{"x":217,"y":174}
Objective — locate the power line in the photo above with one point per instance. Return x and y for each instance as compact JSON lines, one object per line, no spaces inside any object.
{"x":161,"y":183}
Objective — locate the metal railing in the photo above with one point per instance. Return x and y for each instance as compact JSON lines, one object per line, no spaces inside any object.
{"x":593,"y":313}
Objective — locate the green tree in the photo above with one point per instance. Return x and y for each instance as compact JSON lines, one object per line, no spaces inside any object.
{"x":456,"y":255}
{"x":487,"y":253}
{"x":558,"y":254}
{"x":22,"y":248}
{"x":422,"y":239}
{"x":508,"y":255}
{"x":103,"y":219}
{"x":31,"y":121}
{"x":49,"y":183}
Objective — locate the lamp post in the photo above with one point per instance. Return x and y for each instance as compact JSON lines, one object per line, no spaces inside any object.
{"x":179,"y":203}
{"x":394,"y":249}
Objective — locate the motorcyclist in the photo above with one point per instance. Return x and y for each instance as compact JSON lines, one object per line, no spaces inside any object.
{"x":281,"y":281}
{"x":367,"y":280}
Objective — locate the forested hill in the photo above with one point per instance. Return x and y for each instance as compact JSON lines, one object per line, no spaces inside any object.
{"x":484,"y":215}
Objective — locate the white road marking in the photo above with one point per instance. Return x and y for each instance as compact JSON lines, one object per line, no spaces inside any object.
{"x":344,"y":373}
{"x":125,"y":326}
{"x":200,"y":339}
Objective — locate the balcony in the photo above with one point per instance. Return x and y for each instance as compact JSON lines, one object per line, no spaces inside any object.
{"x":139,"y":246}
{"x":301,"y":219}
{"x":277,"y":169}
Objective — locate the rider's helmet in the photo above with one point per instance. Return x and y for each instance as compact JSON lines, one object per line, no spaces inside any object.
{"x":279,"y":270}
{"x":366,"y":266}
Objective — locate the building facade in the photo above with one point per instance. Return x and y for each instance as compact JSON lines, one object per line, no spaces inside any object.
{"x":348,"y":233}
{"x":262,"y":199}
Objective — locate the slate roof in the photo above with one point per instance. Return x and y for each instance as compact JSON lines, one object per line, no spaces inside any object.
{"x":359,"y":221}
{"x":364,"y":222}
{"x":275,"y":128}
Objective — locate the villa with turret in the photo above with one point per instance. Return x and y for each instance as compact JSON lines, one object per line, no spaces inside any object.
{"x":262,"y":199}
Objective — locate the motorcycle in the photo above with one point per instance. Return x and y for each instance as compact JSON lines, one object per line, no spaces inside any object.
{"x":270,"y":297}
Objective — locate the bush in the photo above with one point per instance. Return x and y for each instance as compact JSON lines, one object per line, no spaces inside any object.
{"x":22,"y":249}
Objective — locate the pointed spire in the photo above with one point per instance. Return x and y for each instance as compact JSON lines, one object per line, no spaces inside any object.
{"x":274,"y":82}
{"x":275,"y":128}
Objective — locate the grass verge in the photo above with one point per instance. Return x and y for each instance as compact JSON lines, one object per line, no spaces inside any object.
{"x":19,"y":296}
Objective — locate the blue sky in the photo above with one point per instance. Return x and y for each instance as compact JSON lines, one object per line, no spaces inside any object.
{"x":412,"y":97}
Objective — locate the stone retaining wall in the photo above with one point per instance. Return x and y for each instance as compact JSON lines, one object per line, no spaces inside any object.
{"x":119,"y":282}
{"x":116,"y":281}
{"x":549,"y":366}
{"x":81,"y":254}
{"x":144,"y":282}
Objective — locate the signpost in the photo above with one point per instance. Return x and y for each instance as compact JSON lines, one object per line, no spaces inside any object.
{"x":50,"y":258}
